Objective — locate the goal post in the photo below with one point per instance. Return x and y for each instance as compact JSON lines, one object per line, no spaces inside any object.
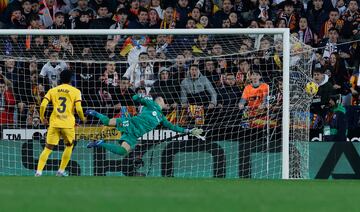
{"x":286,"y":114}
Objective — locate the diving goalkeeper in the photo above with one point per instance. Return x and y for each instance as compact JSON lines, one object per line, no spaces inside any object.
{"x":135,"y":127}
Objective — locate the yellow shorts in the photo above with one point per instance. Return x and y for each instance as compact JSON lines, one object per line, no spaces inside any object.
{"x":53,"y":135}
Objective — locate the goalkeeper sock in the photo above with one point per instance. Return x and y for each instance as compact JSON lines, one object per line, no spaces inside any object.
{"x":65,"y":157}
{"x":43,"y":158}
{"x":116,"y":149}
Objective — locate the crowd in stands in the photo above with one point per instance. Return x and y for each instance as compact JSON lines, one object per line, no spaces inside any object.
{"x":187,"y":70}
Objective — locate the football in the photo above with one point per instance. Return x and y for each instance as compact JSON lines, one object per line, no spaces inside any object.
{"x":311,"y":88}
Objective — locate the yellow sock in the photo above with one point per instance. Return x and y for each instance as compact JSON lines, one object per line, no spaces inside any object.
{"x":43,"y":158}
{"x":65,"y":157}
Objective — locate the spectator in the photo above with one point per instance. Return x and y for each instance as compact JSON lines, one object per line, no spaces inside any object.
{"x":154,"y":19}
{"x":305,"y":33}
{"x":323,"y":95}
{"x":134,"y":10}
{"x":35,"y":6}
{"x":335,"y":126}
{"x":26,"y":10}
{"x":5,"y":16}
{"x":121,"y":19}
{"x":351,"y":19}
{"x":109,"y":83}
{"x":110,"y":77}
{"x":169,"y":21}
{"x":37,"y":47}
{"x":234,"y":20}
{"x":123,"y":94}
{"x":332,"y":45}
{"x":10,"y":70}
{"x":103,"y":19}
{"x":87,"y":76}
{"x":156,"y":4}
{"x":66,"y":49}
{"x":178,"y":70}
{"x":197,"y":89}
{"x":207,"y":7}
{"x":35,"y":23}
{"x":133,"y":46}
{"x":59,"y":22}
{"x":82,"y":8}
{"x":201,"y":47}
{"x":226,"y":23}
{"x":48,"y":10}
{"x":182,"y":11}
{"x":82,"y":21}
{"x":142,"y":20}
{"x":203,"y":23}
{"x":222,"y":14}
{"x":210,"y":72}
{"x":52,"y":69}
{"x":230,"y":94}
{"x":166,"y":88}
{"x":243,"y":74}
{"x":289,"y":15}
{"x":7,"y":104}
{"x":190,"y":24}
{"x":18,"y":20}
{"x":195,"y":14}
{"x":13,"y":46}
{"x":339,"y":76}
{"x":255,"y":94}
{"x":95,"y":4}
{"x":333,"y":21}
{"x":263,"y":12}
{"x":111,"y":51}
{"x":141,"y":74}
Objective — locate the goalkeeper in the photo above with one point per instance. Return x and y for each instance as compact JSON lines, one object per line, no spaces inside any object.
{"x":135,"y":127}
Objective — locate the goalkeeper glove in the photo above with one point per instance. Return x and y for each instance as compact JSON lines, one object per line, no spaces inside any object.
{"x":196,"y":132}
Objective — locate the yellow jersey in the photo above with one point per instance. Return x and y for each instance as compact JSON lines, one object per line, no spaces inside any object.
{"x":63,"y":97}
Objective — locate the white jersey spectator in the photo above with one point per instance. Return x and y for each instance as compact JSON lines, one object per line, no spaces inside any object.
{"x":52,"y":71}
{"x":141,"y":74}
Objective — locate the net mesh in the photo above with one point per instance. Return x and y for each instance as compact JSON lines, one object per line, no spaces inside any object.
{"x":203,"y":79}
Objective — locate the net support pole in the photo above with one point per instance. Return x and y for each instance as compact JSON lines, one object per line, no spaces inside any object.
{"x":286,"y":104}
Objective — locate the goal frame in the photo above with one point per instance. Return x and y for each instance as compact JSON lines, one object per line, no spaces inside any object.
{"x":286,"y":61}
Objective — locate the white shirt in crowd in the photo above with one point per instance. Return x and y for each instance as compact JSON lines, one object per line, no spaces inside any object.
{"x":137,"y":74}
{"x":53,"y":73}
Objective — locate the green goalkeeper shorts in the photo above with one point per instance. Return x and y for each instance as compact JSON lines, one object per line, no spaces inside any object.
{"x":130,"y":139}
{"x":123,"y":125}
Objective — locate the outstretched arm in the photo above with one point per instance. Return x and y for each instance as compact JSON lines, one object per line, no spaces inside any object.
{"x":144,"y":101}
{"x":193,"y":132}
{"x":172,"y":127}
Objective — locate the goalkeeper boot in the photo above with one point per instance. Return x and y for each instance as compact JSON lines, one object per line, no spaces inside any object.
{"x":94,"y":144}
{"x":91,"y":113}
{"x":61,"y":174}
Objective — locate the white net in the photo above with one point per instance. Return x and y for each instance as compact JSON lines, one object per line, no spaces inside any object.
{"x":229,"y":85}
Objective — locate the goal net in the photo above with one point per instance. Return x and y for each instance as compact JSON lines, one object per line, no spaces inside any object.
{"x":241,"y":86}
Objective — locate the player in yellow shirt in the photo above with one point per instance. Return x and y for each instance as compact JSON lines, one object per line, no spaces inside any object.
{"x":62,"y":121}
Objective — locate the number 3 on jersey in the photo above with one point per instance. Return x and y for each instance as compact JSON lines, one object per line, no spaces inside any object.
{"x":62,"y":107}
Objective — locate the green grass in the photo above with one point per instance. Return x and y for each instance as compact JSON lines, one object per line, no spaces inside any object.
{"x":171,"y":194}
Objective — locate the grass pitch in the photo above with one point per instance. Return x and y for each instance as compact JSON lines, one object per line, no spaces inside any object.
{"x":172,"y":194}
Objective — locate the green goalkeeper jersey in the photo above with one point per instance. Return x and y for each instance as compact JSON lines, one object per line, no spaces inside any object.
{"x":150,"y":117}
